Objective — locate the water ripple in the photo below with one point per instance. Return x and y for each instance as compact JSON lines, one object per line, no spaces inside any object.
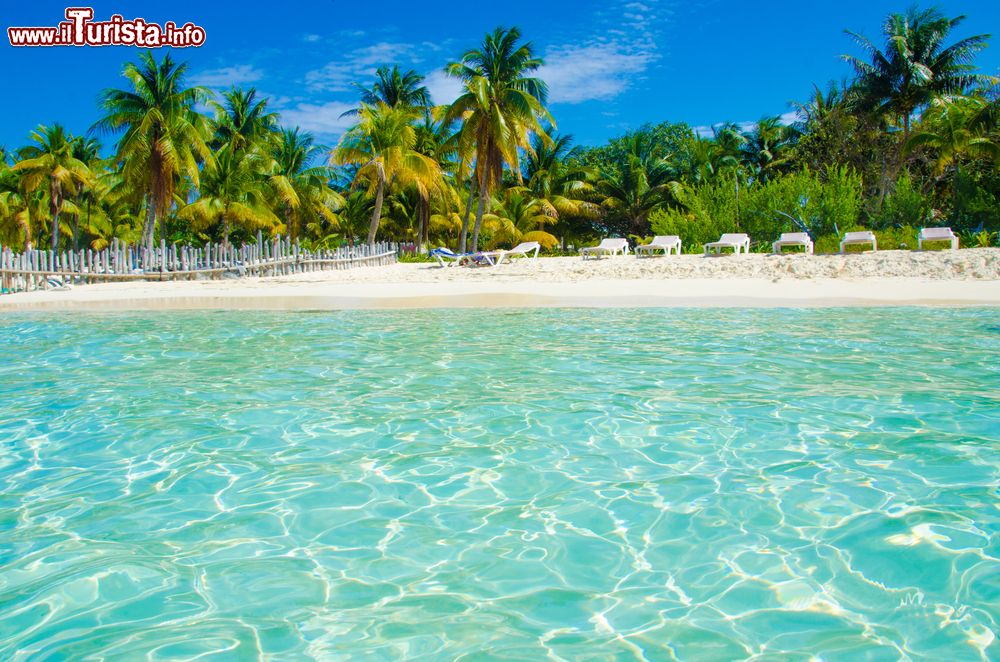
{"x":649,"y":484}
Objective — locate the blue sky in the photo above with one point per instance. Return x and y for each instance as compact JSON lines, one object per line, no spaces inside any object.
{"x":611,"y":65}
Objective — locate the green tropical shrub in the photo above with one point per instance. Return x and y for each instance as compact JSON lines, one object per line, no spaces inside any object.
{"x":901,"y":238}
{"x":981,"y":239}
{"x":906,"y":205}
{"x":709,"y":210}
{"x":823,"y":204}
{"x":889,"y":239}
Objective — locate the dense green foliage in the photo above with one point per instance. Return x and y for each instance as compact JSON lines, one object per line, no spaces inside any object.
{"x":912,"y":140}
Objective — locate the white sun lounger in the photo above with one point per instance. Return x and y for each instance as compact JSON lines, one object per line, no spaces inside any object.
{"x":442,"y":254}
{"x":793,"y":239}
{"x":736,"y":241}
{"x":57,"y":283}
{"x":609,"y":246}
{"x":666,"y":244}
{"x":937,"y":234}
{"x":854,"y":238}
{"x":521,"y":250}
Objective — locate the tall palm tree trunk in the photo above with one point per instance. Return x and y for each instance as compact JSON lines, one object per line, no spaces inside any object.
{"x":483,"y":194}
{"x":427,"y":222}
{"x":25,"y":223}
{"x":225,"y":230}
{"x":163,"y":226}
{"x":421,"y":225}
{"x":463,"y":237}
{"x":377,"y":214}
{"x":150,"y":220}
{"x":55,"y":205}
{"x":291,"y":226}
{"x":55,"y":231}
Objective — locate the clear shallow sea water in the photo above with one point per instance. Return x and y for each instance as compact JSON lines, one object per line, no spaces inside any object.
{"x":604,"y":484}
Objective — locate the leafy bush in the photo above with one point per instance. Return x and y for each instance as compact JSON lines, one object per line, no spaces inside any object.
{"x":545,"y":239}
{"x":709,"y":211}
{"x":824,"y":205}
{"x":982,"y":239}
{"x":976,"y":203}
{"x":906,"y":205}
{"x":407,"y":258}
{"x":901,"y":238}
{"x":889,"y":239}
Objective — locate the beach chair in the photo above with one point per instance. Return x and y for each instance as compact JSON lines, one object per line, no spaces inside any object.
{"x":937,"y":234}
{"x":855,"y":238}
{"x":793,"y":239}
{"x":447,"y":257}
{"x":736,"y":241}
{"x":521,"y":250}
{"x":665,"y":243}
{"x":57,"y":283}
{"x":609,"y":246}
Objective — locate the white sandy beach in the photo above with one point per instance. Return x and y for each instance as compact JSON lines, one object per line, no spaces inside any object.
{"x":966,"y":277}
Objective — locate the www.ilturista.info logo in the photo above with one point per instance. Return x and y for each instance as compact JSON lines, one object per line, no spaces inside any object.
{"x":79,"y":29}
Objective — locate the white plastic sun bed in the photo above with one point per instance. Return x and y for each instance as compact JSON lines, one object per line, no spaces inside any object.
{"x":736,"y":241}
{"x":526,"y":249}
{"x":793,"y":239}
{"x":855,"y":238}
{"x":667,"y":244}
{"x":442,"y":254}
{"x":610,"y":246}
{"x":937,"y":234}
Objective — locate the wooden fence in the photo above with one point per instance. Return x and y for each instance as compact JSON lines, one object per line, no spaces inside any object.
{"x":36,"y":269}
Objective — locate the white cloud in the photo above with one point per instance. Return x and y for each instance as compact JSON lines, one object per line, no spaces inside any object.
{"x":443,"y":88}
{"x":359,"y":65}
{"x":587,"y":73}
{"x":707,"y":130}
{"x":227,"y":76}
{"x":320,"y":118}
{"x":311,"y":38}
{"x":791,"y":117}
{"x":605,"y":66}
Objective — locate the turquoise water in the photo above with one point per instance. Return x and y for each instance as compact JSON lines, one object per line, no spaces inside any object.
{"x":605,"y":484}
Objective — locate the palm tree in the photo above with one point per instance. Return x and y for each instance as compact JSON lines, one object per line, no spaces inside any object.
{"x":767,"y":146}
{"x":232,"y":192}
{"x":51,"y":166}
{"x":241,"y":120}
{"x":383,"y":144}
{"x":916,"y":66}
{"x":354,"y":217}
{"x":520,"y":217}
{"x":639,"y":185}
{"x":302,"y":190}
{"x":950,"y":128}
{"x":87,"y":151}
{"x":164,"y":137}
{"x":394,"y":88}
{"x":501,"y":107}
{"x":562,"y":188}
{"x":115,"y":211}
{"x":822,"y":105}
{"x":435,"y":141}
{"x":15,"y":208}
{"x":702,"y":159}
